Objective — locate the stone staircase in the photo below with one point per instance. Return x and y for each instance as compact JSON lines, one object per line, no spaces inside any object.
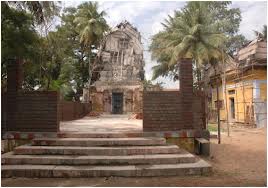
{"x":100,"y":155}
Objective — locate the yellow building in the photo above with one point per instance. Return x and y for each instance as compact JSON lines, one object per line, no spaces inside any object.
{"x":242,"y":87}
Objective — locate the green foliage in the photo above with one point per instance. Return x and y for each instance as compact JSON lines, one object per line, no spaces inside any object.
{"x":42,"y":11}
{"x":91,"y":26}
{"x":148,"y":85}
{"x":228,"y":21}
{"x":235,"y":43}
{"x":61,"y":59}
{"x":201,"y":31}
{"x":18,"y":33}
{"x":19,"y":38}
{"x":79,"y":35}
{"x":191,"y":33}
{"x":90,"y":23}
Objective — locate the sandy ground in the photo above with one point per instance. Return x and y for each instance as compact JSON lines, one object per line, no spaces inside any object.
{"x":239,"y":161}
{"x":104,"y":123}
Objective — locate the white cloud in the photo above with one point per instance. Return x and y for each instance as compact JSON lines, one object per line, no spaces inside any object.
{"x":118,"y":11}
{"x":254,"y":16}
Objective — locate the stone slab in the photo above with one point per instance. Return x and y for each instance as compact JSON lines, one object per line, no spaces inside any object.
{"x":98,"y":141}
{"x":10,"y":158}
{"x":76,"y":150}
{"x":191,"y":133}
{"x":198,"y":168}
{"x":85,"y":134}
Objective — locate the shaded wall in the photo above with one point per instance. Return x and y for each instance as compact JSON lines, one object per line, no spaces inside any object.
{"x":162,"y":111}
{"x":73,"y":110}
{"x":33,"y":111}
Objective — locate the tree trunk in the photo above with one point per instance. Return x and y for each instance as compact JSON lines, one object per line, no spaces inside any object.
{"x":48,"y":83}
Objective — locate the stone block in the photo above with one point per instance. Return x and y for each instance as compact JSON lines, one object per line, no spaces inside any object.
{"x":185,"y":143}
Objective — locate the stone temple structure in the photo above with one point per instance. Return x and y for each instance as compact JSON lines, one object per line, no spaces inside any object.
{"x":119,"y":87}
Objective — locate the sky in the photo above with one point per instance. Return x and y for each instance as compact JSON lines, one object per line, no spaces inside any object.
{"x":147,"y":16}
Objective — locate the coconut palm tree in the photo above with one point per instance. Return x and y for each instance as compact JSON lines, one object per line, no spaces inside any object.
{"x":91,"y":26}
{"x":191,"y":33}
{"x":91,"y":23}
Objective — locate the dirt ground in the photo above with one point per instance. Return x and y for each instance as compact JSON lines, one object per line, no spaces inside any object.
{"x":240,"y":160}
{"x":103,"y":123}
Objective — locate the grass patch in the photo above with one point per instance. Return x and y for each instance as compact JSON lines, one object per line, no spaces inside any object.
{"x":213,"y":127}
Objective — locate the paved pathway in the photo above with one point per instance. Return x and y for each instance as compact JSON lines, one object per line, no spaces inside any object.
{"x":104,"y":123}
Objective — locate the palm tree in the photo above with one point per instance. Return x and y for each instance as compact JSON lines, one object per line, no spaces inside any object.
{"x":91,"y":25}
{"x":263,"y":34}
{"x":191,"y":33}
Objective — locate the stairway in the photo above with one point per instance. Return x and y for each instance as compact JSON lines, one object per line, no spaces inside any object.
{"x":100,"y":155}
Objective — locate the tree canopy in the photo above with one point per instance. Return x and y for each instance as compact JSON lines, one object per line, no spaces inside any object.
{"x":42,"y":11}
{"x":62,"y":59}
{"x":65,"y":58}
{"x":19,"y":37}
{"x":201,"y":31}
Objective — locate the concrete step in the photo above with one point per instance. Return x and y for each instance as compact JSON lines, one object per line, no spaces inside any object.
{"x":11,"y":159}
{"x":76,"y":150}
{"x":48,"y":171}
{"x":105,"y":135}
{"x":98,"y":141}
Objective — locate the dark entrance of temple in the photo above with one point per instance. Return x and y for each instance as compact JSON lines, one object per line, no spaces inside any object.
{"x":117,"y":103}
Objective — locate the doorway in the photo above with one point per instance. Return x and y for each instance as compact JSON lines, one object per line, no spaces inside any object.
{"x":117,"y":103}
{"x":232,"y":107}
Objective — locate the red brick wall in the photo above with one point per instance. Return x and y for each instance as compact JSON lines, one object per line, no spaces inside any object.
{"x":73,"y":110}
{"x":175,"y":110}
{"x":162,"y":111}
{"x":33,"y":111}
{"x":3,"y":112}
{"x":28,"y":111}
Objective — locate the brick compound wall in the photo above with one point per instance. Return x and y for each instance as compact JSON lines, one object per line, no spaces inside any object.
{"x":33,"y":111}
{"x":73,"y":110}
{"x":162,"y":111}
{"x":28,"y":110}
{"x":175,"y":110}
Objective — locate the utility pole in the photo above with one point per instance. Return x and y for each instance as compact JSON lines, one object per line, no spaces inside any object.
{"x":218,"y":105}
{"x":218,"y":112}
{"x":225,"y":93}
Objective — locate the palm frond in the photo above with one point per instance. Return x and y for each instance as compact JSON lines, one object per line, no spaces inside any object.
{"x":190,"y":33}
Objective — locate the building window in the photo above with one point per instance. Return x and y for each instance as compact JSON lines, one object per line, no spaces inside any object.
{"x":114,"y":57}
{"x":231,"y":92}
{"x":123,"y":43}
{"x":221,"y":104}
